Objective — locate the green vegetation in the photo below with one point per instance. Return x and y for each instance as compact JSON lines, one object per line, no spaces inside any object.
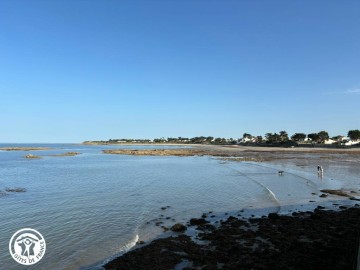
{"x":298,"y":137}
{"x":273,"y":139}
{"x":323,"y":136}
{"x":354,"y":134}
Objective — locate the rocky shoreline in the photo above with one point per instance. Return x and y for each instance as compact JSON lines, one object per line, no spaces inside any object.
{"x":322,"y":239}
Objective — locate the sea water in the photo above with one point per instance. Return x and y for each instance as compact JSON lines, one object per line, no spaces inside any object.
{"x":93,"y":206}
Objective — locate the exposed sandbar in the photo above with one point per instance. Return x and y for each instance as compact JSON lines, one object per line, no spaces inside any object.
{"x":67,"y":154}
{"x":240,"y":153}
{"x":24,"y":148}
{"x":31,"y":156}
{"x":157,"y":152}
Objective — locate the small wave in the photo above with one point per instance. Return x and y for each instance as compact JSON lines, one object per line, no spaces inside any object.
{"x":123,"y":249}
{"x":269,"y":191}
{"x":129,"y":244}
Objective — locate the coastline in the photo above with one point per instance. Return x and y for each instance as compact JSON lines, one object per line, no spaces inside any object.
{"x":303,"y":162}
{"x":243,"y":148}
{"x":247,"y":153}
{"x":325,"y":238}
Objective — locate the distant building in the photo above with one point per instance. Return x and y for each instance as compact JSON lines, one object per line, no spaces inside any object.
{"x":350,"y":142}
{"x":329,"y":141}
{"x":248,"y":140}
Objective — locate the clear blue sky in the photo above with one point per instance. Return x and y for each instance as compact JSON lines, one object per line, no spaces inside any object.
{"x":85,"y":70}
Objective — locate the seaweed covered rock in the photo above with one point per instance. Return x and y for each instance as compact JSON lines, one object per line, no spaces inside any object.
{"x":178,"y":227}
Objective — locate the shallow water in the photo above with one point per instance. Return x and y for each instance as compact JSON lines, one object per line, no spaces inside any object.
{"x":92,"y":206}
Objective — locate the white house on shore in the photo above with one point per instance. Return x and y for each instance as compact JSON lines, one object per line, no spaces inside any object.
{"x":350,"y":142}
{"x":248,"y":140}
{"x":342,"y":141}
{"x":329,"y":141}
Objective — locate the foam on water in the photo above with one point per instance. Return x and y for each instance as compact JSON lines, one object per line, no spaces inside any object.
{"x":130,"y":244}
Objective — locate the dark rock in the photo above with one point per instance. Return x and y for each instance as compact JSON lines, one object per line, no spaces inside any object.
{"x":197,"y":221}
{"x":18,"y":189}
{"x":231,"y":219}
{"x":338,"y":192}
{"x":178,"y":227}
{"x":273,"y":216}
{"x":315,"y":216}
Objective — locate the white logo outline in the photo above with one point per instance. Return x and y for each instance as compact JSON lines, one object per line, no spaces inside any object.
{"x":27,"y":246}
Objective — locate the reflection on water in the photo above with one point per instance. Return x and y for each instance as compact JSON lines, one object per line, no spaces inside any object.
{"x":91,"y":206}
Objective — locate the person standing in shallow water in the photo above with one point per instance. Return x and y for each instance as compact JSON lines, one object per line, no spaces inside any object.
{"x":320,"y":170}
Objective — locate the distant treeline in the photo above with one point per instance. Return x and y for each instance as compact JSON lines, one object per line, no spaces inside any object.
{"x":281,"y":138}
